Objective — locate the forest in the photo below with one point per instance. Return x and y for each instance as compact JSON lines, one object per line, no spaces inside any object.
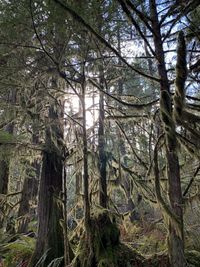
{"x":99,"y":133}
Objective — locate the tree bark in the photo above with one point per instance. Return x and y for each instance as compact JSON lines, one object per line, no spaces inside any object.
{"x":4,"y":163}
{"x":176,"y":239}
{"x":50,"y":234}
{"x":4,"y":173}
{"x":102,"y":153}
{"x":102,"y":163}
{"x":30,"y":189}
{"x":29,"y":192}
{"x":85,"y":164}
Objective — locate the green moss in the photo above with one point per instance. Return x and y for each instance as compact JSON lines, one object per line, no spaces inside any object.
{"x":127,"y":256}
{"x":193,"y":258}
{"x":105,"y":236}
{"x":103,"y":247}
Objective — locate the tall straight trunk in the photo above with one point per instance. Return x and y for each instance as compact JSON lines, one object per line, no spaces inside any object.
{"x":4,"y":173}
{"x":103,"y":198}
{"x":4,"y":166}
{"x":79,"y":176}
{"x":85,"y":164}
{"x":176,"y":239}
{"x":125,"y":180}
{"x":4,"y":163}
{"x":50,"y":234}
{"x":102,"y":153}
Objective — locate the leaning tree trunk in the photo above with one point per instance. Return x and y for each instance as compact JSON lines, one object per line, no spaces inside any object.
{"x":50,"y":234}
{"x":176,"y":239}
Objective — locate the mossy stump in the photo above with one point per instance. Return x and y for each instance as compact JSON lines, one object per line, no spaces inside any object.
{"x":101,"y":247}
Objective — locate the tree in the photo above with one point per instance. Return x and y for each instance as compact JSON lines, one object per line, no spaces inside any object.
{"x":153,"y":24}
{"x":123,"y":56}
{"x":50,"y":213}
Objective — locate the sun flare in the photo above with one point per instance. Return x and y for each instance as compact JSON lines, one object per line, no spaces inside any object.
{"x":74,"y":109}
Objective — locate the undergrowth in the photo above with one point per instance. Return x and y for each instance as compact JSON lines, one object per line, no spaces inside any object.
{"x":16,"y":250}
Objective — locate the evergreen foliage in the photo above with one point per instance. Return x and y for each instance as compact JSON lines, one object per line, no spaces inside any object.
{"x":99,"y":132}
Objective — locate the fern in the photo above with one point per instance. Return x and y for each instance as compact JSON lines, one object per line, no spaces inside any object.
{"x":56,"y":262}
{"x":17,"y":251}
{"x":41,"y":261}
{"x":5,"y":137}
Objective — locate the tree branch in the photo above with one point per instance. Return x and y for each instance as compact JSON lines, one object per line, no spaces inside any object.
{"x":135,"y":24}
{"x":79,"y":19}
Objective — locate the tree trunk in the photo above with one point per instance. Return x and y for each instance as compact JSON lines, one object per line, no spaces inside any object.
{"x":176,"y":237}
{"x":30,"y":188}
{"x":176,"y":240}
{"x":4,"y":164}
{"x":50,"y":234}
{"x":102,"y":154}
{"x":4,"y":172}
{"x":85,"y":165}
{"x":29,"y":192}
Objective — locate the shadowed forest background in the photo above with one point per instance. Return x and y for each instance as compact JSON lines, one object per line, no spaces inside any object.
{"x":99,"y":133}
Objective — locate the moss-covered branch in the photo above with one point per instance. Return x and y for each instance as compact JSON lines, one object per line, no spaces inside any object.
{"x":166,"y":208}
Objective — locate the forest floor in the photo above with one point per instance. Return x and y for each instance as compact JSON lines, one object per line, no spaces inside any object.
{"x":143,"y":244}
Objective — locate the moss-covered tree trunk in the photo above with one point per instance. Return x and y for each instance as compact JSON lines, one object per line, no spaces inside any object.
{"x":29,"y":192}
{"x":176,"y":239}
{"x":9,"y":128}
{"x":50,"y":234}
{"x":4,"y":164}
{"x":30,"y":188}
